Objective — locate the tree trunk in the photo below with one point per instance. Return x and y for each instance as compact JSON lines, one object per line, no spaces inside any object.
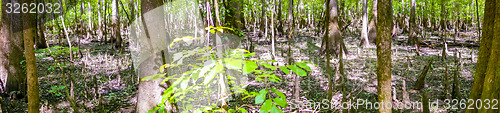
{"x":40,"y":41}
{"x":372,"y":29}
{"x":364,"y":29}
{"x":116,"y":24}
{"x":149,"y":94}
{"x":443,"y":16}
{"x":335,"y":40}
{"x":11,"y":52}
{"x":413,"y":39}
{"x":263,"y":18}
{"x":385,"y":26}
{"x":32,"y":77}
{"x":486,"y":78}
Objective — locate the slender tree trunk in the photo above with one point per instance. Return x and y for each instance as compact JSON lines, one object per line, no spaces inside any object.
{"x":384,"y":28}
{"x":478,"y":21}
{"x":364,"y":30}
{"x":116,"y":24}
{"x":443,"y":16}
{"x":372,"y":29}
{"x":32,"y":77}
{"x":413,"y":39}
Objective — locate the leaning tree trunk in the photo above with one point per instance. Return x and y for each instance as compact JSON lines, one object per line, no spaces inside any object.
{"x":384,"y":28}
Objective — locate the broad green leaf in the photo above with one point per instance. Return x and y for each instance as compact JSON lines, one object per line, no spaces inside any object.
{"x":197,"y":111}
{"x":231,"y":111}
{"x":275,"y":109}
{"x":303,"y":65}
{"x":268,"y":66}
{"x":162,"y":68}
{"x":266,"y":106}
{"x":280,"y":101}
{"x":249,"y":54}
{"x":233,"y":63}
{"x":184,"y":84}
{"x":297,"y":70}
{"x":177,"y":56}
{"x":249,"y":67}
{"x":189,"y":107}
{"x":152,"y":77}
{"x":278,"y":93}
{"x":261,"y":97}
{"x":208,"y":65}
{"x":154,"y":109}
{"x":242,"y":110}
{"x":285,"y":69}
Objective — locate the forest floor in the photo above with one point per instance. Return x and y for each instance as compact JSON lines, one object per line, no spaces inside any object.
{"x":98,"y":67}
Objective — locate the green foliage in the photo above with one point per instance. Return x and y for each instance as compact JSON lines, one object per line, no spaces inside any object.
{"x":56,"y":90}
{"x":202,"y":74}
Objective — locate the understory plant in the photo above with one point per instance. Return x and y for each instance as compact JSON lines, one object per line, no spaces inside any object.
{"x":194,"y":83}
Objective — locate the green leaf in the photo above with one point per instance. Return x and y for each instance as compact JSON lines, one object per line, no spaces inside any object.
{"x":303,"y":65}
{"x":285,"y":69}
{"x":268,"y":66}
{"x":266,"y":106}
{"x":177,"y":56}
{"x":154,"y":109}
{"x":278,"y":93}
{"x":249,"y":54}
{"x":184,"y":84}
{"x":261,"y":97}
{"x":280,"y":101}
{"x":231,"y":111}
{"x":152,"y":77}
{"x":233,"y":63}
{"x":162,"y":68}
{"x":242,"y":110}
{"x":206,"y":67}
{"x":275,"y":109}
{"x":249,"y":67}
{"x":197,"y":111}
{"x":297,"y":70}
{"x":189,"y":107}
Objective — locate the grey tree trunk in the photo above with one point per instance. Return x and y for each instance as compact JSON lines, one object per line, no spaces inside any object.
{"x":11,"y":52}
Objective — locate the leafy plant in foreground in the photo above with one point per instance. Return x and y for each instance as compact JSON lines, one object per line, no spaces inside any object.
{"x":203,"y":74}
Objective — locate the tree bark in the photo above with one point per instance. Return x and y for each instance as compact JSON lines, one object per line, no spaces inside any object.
{"x":384,"y":28}
{"x":116,"y":24}
{"x":372,"y":29}
{"x":486,"y":81}
{"x":364,"y":29}
{"x":149,"y":93}
{"x":11,"y":52}
{"x":31,"y":71}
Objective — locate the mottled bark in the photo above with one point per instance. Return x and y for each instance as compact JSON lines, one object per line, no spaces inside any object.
{"x":31,"y":71}
{"x":484,"y":51}
{"x":11,"y":52}
{"x":384,"y":28}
